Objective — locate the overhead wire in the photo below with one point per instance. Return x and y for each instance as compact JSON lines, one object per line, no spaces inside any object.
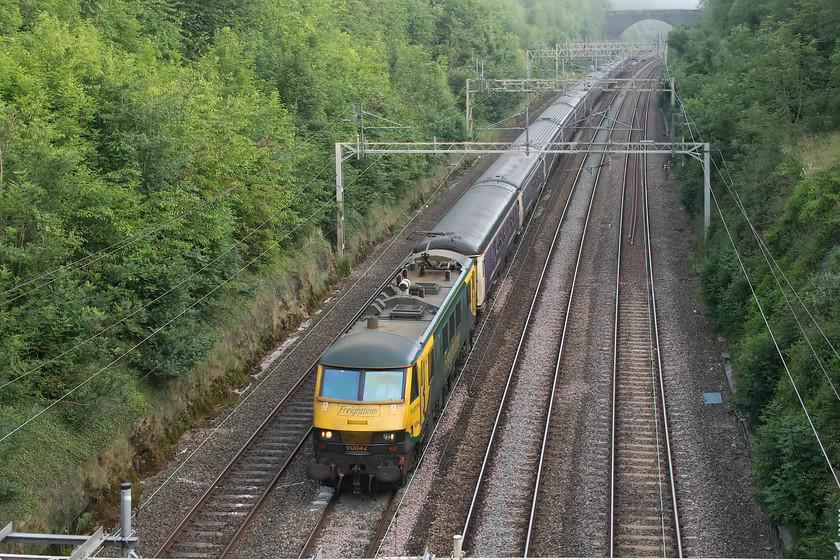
{"x":781,"y":271}
{"x":768,"y":256}
{"x":776,"y":344}
{"x":235,"y":245}
{"x":761,"y":310}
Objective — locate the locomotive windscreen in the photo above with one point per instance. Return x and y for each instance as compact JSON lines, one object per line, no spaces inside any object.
{"x":356,"y":385}
{"x":383,"y":386}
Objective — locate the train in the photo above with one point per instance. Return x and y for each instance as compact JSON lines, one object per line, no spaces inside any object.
{"x":385,"y":379}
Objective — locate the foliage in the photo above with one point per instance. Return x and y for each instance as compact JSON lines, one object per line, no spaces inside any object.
{"x":759,"y":80}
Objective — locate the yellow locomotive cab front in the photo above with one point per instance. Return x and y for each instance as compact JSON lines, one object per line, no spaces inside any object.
{"x":359,"y":421}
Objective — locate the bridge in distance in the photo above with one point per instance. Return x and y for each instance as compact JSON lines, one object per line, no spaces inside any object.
{"x":617,"y":21}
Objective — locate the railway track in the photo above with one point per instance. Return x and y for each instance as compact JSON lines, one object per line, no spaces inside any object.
{"x":351,"y":526}
{"x":504,"y":513}
{"x":214,"y":524}
{"x":644,"y":518}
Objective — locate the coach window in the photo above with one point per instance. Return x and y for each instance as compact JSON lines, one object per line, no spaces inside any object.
{"x":458,"y":313}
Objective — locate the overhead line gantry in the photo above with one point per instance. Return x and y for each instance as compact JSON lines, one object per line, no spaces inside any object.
{"x":344,"y":150}
{"x":563,"y":54}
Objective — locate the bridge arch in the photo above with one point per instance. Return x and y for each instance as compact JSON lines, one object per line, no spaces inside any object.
{"x":616,"y":21}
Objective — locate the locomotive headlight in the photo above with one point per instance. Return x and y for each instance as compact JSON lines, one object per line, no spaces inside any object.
{"x":326,"y":434}
{"x":388,"y":437}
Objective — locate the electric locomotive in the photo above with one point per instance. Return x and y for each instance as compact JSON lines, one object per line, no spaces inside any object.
{"x":386,"y":376}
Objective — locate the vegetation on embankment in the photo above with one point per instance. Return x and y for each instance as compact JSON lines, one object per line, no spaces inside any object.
{"x":760,"y":81}
{"x":166,"y":199}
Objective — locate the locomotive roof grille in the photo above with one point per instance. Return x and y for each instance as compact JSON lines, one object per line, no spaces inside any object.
{"x":405,"y":311}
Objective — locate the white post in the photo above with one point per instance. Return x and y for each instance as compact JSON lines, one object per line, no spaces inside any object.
{"x":837,"y":544}
{"x":469,"y":111}
{"x":707,"y":190}
{"x":339,"y":198}
{"x":457,"y":543}
{"x":125,"y":518}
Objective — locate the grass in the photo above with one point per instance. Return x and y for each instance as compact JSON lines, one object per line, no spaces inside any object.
{"x":55,"y":469}
{"x":820,"y":153}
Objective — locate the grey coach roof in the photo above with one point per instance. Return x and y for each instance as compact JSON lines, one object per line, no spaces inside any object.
{"x":472,"y":220}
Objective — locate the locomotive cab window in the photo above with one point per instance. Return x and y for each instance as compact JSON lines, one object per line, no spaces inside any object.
{"x":341,"y":384}
{"x":383,"y":385}
{"x":359,"y":385}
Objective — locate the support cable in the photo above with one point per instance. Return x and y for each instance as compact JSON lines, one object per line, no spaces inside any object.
{"x":776,"y":344}
{"x":758,"y":304}
{"x":166,"y":324}
{"x":194,"y":274}
{"x":768,"y":256}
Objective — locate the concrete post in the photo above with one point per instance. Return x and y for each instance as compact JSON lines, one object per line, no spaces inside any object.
{"x":125,"y":518}
{"x":457,"y":543}
{"x":707,"y":189}
{"x":339,"y":198}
